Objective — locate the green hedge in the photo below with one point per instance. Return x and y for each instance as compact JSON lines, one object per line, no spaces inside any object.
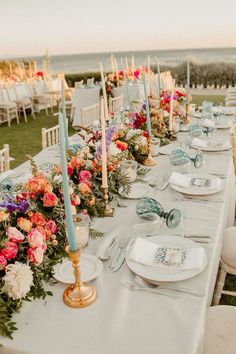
{"x":217,"y":74}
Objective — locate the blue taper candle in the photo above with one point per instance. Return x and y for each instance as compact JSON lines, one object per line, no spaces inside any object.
{"x":188,"y":83}
{"x":147,"y":108}
{"x":64,"y":115}
{"x":159,"y":75}
{"x":65,"y":185}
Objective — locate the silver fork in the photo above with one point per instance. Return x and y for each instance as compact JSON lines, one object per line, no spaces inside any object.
{"x":134,"y":287}
{"x":184,"y":290}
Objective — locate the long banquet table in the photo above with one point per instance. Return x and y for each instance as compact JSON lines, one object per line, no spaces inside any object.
{"x":138,"y":322}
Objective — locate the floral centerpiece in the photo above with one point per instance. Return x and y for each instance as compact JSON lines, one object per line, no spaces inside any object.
{"x":179,"y":97}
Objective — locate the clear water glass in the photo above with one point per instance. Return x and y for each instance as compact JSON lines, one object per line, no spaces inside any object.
{"x":129,"y":169}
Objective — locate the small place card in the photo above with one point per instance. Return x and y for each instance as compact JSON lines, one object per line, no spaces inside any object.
{"x":170,"y":256}
{"x":200,"y":182}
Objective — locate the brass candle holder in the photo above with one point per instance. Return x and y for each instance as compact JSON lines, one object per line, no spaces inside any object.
{"x":79,"y":294}
{"x":187,"y":120}
{"x":171,"y":135}
{"x":107,"y":210}
{"x":149,"y":161}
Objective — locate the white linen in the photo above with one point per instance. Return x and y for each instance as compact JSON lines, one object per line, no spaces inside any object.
{"x":136,"y":93}
{"x":199,"y":143}
{"x":83,"y":97}
{"x":144,"y":251}
{"x":174,"y":325}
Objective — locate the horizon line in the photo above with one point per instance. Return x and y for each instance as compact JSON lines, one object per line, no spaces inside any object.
{"x":7,"y":57}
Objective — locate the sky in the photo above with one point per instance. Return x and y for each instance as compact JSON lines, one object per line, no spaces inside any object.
{"x":28,"y":27}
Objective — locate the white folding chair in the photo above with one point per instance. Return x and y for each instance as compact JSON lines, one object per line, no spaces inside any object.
{"x":116,"y":103}
{"x":50,"y":136}
{"x":90,"y":82}
{"x":89,"y":114}
{"x":4,"y":159}
{"x":8,"y":109}
{"x":79,"y":84}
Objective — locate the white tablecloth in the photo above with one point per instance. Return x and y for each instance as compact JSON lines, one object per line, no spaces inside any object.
{"x":121,"y":321}
{"x":136,"y":93}
{"x":83,"y":97}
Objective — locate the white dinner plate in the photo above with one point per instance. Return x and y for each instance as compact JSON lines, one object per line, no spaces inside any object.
{"x":157,"y":275}
{"x":199,"y":190}
{"x":90,"y":267}
{"x":138,"y":190}
{"x":212,"y":147}
{"x":227,"y":125}
{"x":167,"y":149}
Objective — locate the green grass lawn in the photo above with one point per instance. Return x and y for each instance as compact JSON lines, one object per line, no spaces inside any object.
{"x":25,"y":138}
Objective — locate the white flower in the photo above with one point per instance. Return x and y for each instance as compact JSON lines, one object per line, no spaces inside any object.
{"x":18,"y":280}
{"x":113,"y":149}
{"x":131,"y":133}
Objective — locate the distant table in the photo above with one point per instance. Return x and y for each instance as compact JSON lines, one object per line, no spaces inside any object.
{"x":136,"y":93}
{"x":83,"y":97}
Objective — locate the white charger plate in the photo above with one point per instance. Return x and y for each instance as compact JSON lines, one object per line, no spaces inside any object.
{"x":213,"y":148}
{"x":157,"y":275}
{"x":90,"y":267}
{"x":224,"y":126}
{"x":198,"y":190}
{"x":138,"y":190}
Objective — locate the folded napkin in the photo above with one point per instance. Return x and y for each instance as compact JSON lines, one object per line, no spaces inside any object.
{"x":199,"y":143}
{"x":208,"y":123}
{"x":152,"y":254}
{"x":182,"y":180}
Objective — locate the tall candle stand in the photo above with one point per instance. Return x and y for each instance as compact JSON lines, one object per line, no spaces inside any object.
{"x":78,"y":294}
{"x":149,"y":161}
{"x":107,"y":210}
{"x":187,"y":120}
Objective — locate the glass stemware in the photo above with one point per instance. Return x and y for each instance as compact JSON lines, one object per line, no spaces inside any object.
{"x":180,"y":158}
{"x":195,"y":130}
{"x":148,"y":208}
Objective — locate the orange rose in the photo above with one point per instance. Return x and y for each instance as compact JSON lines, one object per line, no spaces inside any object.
{"x":84,"y":188}
{"x":37,"y":219}
{"x":50,"y":199}
{"x":24,"y":224}
{"x":3,"y":215}
{"x":37,"y":184}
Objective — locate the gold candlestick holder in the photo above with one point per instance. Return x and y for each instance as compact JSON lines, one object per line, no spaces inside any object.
{"x":149,"y":161}
{"x":107,"y":210}
{"x":171,"y":135}
{"x":187,"y":120}
{"x":79,"y":294}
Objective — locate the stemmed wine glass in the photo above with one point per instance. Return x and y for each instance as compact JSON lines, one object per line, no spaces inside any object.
{"x":148,"y":208}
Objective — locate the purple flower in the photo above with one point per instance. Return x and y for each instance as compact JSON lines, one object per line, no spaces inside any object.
{"x":10,"y":206}
{"x":23,"y":206}
{"x":110,"y":131}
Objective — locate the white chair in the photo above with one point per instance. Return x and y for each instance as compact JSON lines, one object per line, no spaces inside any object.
{"x":227,"y":264}
{"x":90,"y":82}
{"x":220,"y":330}
{"x":8,"y":110}
{"x":40,"y":99}
{"x":4,"y":159}
{"x":79,"y":84}
{"x":50,"y":136}
{"x":116,"y":103}
{"x":21,"y":102}
{"x":89,"y":114}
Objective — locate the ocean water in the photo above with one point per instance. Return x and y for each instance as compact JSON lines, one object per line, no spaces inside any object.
{"x":78,"y":63}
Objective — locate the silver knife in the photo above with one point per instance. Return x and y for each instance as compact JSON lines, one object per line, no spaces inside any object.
{"x":122,"y":255}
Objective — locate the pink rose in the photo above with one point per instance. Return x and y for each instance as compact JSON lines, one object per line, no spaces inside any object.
{"x":10,"y":250}
{"x":84,"y":175}
{"x":35,"y":255}
{"x":35,"y":239}
{"x":14,"y":234}
{"x":51,"y":226}
{"x":3,"y":262}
